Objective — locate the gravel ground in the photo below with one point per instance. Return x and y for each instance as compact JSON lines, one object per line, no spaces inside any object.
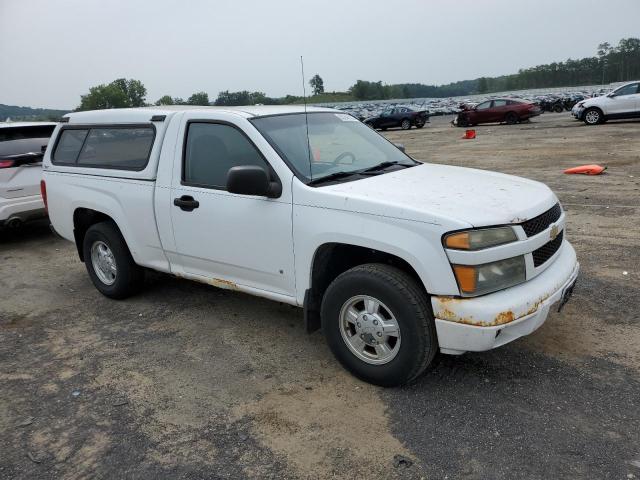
{"x":188,"y":381}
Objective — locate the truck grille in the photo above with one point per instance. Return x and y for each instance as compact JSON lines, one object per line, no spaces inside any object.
{"x":546,"y":251}
{"x":541,"y":222}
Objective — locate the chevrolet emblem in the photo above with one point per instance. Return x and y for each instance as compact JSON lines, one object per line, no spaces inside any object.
{"x":554,"y":232}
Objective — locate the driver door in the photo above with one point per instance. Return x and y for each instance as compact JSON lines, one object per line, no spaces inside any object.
{"x":386,"y":119}
{"x":228,"y":239}
{"x":481,"y":113}
{"x":625,"y":103}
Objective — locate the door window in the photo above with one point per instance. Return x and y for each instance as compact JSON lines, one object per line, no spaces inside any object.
{"x":627,"y":90}
{"x":211,"y":149}
{"x":499,"y":103}
{"x":484,"y":105}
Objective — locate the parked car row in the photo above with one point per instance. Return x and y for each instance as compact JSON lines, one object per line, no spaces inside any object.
{"x":558,"y":101}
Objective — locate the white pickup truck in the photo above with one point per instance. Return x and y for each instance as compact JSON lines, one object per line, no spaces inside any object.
{"x":395,"y":259}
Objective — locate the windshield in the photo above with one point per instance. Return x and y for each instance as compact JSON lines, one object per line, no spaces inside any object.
{"x":339,"y":143}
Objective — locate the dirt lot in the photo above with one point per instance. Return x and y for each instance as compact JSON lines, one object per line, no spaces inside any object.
{"x":187,"y":381}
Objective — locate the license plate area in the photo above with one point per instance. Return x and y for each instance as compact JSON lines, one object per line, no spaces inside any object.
{"x":566,"y":294}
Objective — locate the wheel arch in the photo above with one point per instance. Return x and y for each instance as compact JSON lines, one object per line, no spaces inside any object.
{"x":83,"y":219}
{"x":593,"y":107}
{"x":334,"y":258}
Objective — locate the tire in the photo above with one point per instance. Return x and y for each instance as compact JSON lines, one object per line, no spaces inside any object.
{"x":405,"y":124}
{"x":558,"y":108}
{"x":511,"y":118}
{"x":402,"y":302}
{"x":593,"y":116}
{"x":103,"y":245}
{"x":419,"y":125}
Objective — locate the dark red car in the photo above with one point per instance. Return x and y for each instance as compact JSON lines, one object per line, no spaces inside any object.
{"x":498,"y":110}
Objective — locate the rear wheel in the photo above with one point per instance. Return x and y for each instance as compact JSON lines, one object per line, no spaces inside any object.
{"x":109,"y":263}
{"x":511,"y":118}
{"x":593,"y":116}
{"x":379,"y":325}
{"x":406,"y":124}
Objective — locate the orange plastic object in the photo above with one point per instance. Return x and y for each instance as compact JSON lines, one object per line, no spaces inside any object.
{"x":466,"y":276}
{"x":469,"y":134}
{"x":586,"y":169}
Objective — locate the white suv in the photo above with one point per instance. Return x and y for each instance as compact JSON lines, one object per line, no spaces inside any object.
{"x":22,"y":146}
{"x":623,"y":102}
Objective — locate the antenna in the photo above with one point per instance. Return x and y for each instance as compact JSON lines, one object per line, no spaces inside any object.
{"x":306,"y":117}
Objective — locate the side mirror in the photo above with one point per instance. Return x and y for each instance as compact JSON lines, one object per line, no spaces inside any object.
{"x":400,"y":147}
{"x":252,"y":180}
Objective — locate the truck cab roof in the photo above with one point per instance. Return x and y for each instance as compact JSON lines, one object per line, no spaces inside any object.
{"x":144,"y":114}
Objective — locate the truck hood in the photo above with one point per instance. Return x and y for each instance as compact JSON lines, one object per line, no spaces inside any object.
{"x":442,"y":194}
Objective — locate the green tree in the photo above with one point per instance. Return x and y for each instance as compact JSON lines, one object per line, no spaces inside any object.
{"x":199,"y":98}
{"x":120,"y":93}
{"x":134,"y":91}
{"x":244,"y":97}
{"x":165,"y":100}
{"x":483,"y":85}
{"x":317,"y":84}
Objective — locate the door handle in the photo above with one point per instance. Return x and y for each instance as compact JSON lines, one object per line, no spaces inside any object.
{"x":186,"y":203}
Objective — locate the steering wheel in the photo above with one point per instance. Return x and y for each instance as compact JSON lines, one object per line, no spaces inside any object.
{"x":344,"y":155}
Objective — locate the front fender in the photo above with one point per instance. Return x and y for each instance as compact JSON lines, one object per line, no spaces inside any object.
{"x":416,"y":243}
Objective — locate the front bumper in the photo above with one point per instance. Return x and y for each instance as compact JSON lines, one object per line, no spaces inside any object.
{"x":483,"y":323}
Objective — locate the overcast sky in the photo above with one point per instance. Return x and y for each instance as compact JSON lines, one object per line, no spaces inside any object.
{"x":52,"y":51}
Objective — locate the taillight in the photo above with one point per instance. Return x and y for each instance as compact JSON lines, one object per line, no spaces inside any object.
{"x":43,"y":192}
{"x":6,"y":163}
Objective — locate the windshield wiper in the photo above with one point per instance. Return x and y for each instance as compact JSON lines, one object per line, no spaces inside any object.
{"x":364,"y":171}
{"x":383,"y":165}
{"x":333,"y":176}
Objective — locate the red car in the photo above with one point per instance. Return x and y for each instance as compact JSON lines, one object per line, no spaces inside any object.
{"x":498,"y":110}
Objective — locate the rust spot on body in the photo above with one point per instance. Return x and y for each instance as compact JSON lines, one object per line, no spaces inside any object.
{"x":504,"y":317}
{"x":226,"y":284}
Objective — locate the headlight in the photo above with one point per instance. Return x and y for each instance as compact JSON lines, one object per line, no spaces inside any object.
{"x":481,"y":279}
{"x":479,"y":239}
{"x":580,"y":104}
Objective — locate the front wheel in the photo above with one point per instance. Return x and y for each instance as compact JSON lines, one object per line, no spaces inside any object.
{"x":593,"y":116}
{"x":406,"y":124}
{"x":379,"y":324}
{"x":109,"y":263}
{"x":511,"y":118}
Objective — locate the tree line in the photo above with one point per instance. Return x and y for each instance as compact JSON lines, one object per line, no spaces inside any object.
{"x":610,"y":64}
